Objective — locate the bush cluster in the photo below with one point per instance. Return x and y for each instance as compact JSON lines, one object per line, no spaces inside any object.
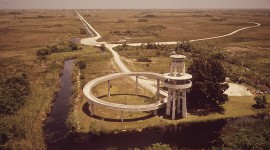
{"x":142,"y":20}
{"x":13,"y":92}
{"x":150,"y":30}
{"x":49,"y":49}
{"x":246,"y":135}
{"x":260,"y":101}
{"x":81,"y":64}
{"x":185,"y":46}
{"x":83,"y":31}
{"x":102,"y":47}
{"x":144,"y":59}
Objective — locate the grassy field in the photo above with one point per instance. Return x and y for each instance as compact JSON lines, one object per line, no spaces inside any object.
{"x":109,"y":121}
{"x":180,"y":24}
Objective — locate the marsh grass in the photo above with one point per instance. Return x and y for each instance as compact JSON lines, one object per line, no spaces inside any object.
{"x":181,"y":25}
{"x":20,"y":40}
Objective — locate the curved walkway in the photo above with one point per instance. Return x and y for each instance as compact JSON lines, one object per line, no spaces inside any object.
{"x":122,"y":107}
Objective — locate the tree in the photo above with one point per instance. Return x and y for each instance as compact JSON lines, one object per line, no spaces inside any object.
{"x":81,"y":65}
{"x":260,"y":101}
{"x":102,"y":47}
{"x":83,"y":31}
{"x":185,"y":45}
{"x":73,"y":46}
{"x":208,"y":87}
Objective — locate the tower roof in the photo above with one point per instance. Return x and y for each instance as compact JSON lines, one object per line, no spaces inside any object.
{"x":178,"y":56}
{"x":185,"y":76}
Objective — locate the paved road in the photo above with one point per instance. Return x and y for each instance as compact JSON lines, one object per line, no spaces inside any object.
{"x":145,"y":83}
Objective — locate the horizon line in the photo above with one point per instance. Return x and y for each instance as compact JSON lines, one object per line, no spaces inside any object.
{"x":134,"y":8}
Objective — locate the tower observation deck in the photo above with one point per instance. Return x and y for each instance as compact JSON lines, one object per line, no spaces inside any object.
{"x":177,"y":81}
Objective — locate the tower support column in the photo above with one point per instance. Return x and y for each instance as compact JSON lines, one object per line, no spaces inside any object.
{"x":92,"y":108}
{"x":136,"y":85}
{"x":178,"y":103}
{"x":173,"y":106}
{"x":168,"y":107}
{"x":158,"y":88}
{"x":109,"y":88}
{"x":183,"y":69}
{"x":184,"y":104}
{"x":122,"y":119}
{"x":155,"y":112}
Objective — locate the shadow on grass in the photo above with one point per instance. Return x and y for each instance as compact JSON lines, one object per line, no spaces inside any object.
{"x":143,"y":96}
{"x":85,"y":109}
{"x":161,"y":112}
{"x":258,"y":107}
{"x":199,"y":111}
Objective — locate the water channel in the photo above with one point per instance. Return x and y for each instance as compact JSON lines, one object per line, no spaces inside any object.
{"x":55,"y":128}
{"x":191,"y":135}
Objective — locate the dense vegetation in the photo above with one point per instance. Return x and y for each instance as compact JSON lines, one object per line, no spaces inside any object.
{"x":62,"y":47}
{"x":260,"y":101}
{"x":83,"y":31}
{"x":81,"y":65}
{"x":102,"y":47}
{"x":246,"y":135}
{"x":208,"y":76}
{"x":120,"y":21}
{"x":142,"y":20}
{"x":159,"y":146}
{"x":150,"y":30}
{"x":144,"y":59}
{"x":13,"y":92}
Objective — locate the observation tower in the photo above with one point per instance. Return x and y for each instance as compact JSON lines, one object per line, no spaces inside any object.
{"x":177,"y":81}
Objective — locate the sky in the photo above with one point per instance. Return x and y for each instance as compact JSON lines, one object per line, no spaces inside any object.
{"x":134,"y":4}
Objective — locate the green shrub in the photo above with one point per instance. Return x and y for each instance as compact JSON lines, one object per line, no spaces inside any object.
{"x":49,"y":49}
{"x":246,"y":135}
{"x":159,"y":146}
{"x":73,"y":46}
{"x":83,"y":31}
{"x":43,"y":52}
{"x":150,"y":16}
{"x":143,"y":59}
{"x":260,"y":101}
{"x":143,"y":20}
{"x":81,"y":65}
{"x":185,"y":45}
{"x":13,"y":92}
{"x":102,"y":47}
{"x":219,"y":56}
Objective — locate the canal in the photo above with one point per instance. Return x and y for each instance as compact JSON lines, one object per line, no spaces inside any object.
{"x":55,"y":128}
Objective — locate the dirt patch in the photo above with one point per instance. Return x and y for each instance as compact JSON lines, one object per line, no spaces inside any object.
{"x":237,"y":90}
